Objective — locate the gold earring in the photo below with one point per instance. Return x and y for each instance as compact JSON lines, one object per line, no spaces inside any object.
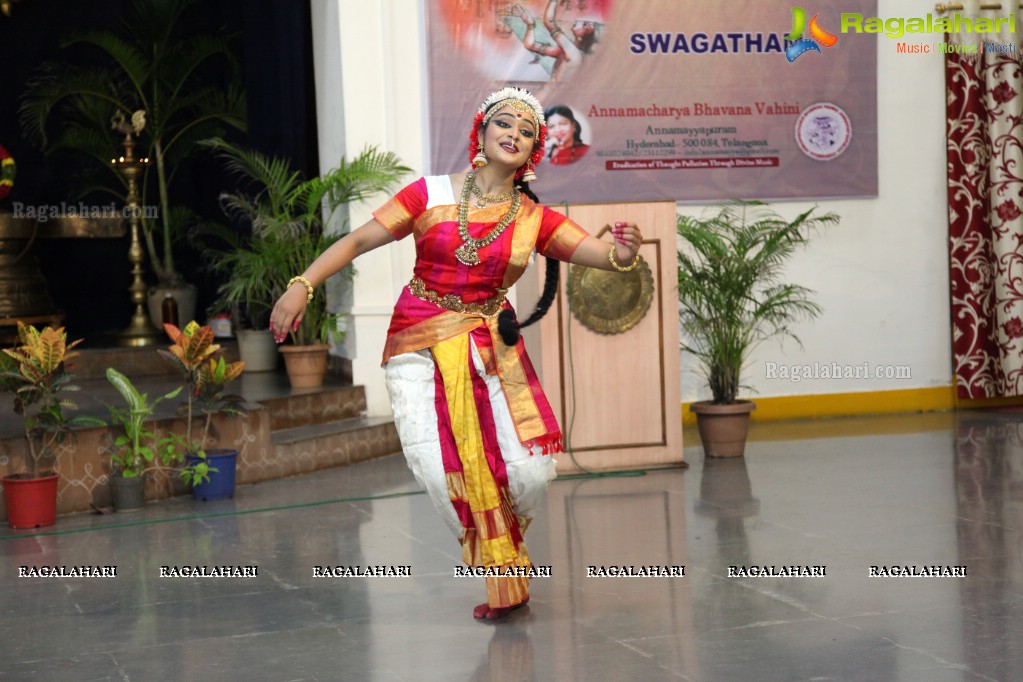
{"x":529,"y":175}
{"x":480,"y":159}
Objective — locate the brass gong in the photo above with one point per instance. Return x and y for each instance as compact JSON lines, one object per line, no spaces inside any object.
{"x":610,"y":302}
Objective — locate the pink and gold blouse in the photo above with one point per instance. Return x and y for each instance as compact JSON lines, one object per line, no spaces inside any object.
{"x":426,"y":209}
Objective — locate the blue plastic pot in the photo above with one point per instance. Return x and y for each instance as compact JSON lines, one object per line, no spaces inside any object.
{"x":221,"y":483}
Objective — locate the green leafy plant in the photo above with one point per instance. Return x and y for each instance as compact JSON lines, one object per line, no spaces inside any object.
{"x":35,"y":372}
{"x":287,"y":220}
{"x":729,"y":291}
{"x":153,"y":64}
{"x":205,"y":373}
{"x":138,"y":450}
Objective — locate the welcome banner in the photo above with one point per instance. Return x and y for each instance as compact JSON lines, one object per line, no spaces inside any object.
{"x":666,"y":99}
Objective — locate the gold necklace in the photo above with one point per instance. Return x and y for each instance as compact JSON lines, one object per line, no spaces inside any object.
{"x":468,"y":252}
{"x":482,"y":199}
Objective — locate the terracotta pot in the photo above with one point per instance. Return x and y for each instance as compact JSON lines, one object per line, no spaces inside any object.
{"x":723,"y":428}
{"x":31,"y":502}
{"x":306,"y":365}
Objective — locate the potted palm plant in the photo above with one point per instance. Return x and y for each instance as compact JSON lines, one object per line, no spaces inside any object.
{"x":731,"y":300}
{"x":152,"y":67}
{"x":287,"y":220}
{"x":35,"y":372}
{"x":211,"y":471}
{"x":137,"y":452}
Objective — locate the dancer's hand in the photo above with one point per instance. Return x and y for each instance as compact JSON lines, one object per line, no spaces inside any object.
{"x":288,"y":312}
{"x":628,"y":239}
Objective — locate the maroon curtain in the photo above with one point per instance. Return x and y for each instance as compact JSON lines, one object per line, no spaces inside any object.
{"x":985,"y":196}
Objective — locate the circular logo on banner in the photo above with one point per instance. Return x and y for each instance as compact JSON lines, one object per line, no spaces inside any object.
{"x":823,"y":131}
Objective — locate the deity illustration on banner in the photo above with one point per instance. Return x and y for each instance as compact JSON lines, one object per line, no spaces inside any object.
{"x":530,"y":41}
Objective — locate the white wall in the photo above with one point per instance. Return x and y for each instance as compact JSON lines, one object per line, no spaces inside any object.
{"x":881,"y":275}
{"x":369,"y":91}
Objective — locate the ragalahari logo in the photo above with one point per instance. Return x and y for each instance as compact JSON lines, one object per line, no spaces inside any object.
{"x":798,"y":44}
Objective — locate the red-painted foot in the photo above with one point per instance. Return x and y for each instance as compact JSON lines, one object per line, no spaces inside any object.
{"x":485,"y":612}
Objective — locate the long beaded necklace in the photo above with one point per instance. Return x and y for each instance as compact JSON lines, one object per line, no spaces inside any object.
{"x":468,"y":252}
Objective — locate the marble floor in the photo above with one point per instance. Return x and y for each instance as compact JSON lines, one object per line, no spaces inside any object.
{"x":941,"y":493}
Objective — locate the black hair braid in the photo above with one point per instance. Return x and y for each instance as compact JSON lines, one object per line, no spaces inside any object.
{"x":507,"y":326}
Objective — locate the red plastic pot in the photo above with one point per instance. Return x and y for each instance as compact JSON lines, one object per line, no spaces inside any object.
{"x":31,"y":502}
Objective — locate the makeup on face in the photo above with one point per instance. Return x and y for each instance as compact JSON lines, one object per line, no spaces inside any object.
{"x":511,"y":131}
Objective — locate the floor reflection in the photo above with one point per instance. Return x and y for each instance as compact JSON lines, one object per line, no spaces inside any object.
{"x":849,"y":494}
{"x":989,"y":496}
{"x":621,"y":522}
{"x":509,"y":655}
{"x":726,"y":495}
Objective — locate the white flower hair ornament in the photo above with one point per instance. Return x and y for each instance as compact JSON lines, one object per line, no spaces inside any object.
{"x":515,"y":95}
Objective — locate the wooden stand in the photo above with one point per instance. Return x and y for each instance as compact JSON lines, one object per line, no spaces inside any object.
{"x":617,"y":396}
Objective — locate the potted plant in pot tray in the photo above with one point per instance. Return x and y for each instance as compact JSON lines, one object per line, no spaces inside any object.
{"x":731,"y":299}
{"x":205,"y":373}
{"x":35,"y":372}
{"x":287,"y":220}
{"x":137,"y":452}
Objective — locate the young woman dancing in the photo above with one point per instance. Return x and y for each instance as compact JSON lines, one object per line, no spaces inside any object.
{"x":475,"y":426}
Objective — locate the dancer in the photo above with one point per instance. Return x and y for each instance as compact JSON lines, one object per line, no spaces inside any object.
{"x":475,"y":426}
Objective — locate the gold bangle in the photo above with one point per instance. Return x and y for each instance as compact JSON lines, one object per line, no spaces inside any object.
{"x":304,"y":282}
{"x":614,"y":264}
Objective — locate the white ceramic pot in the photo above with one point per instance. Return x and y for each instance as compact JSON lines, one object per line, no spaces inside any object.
{"x":258,"y":349}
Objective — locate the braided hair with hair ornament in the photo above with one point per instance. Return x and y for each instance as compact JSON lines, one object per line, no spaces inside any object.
{"x":507,"y":326}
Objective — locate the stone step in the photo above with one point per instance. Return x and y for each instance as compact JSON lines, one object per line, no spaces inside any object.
{"x":298,"y":434}
{"x":308,"y":448}
{"x":287,"y":407}
{"x":327,"y":404}
{"x":336,"y":399}
{"x":92,"y":362}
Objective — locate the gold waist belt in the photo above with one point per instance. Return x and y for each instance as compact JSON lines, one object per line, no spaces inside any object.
{"x":490,"y":307}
